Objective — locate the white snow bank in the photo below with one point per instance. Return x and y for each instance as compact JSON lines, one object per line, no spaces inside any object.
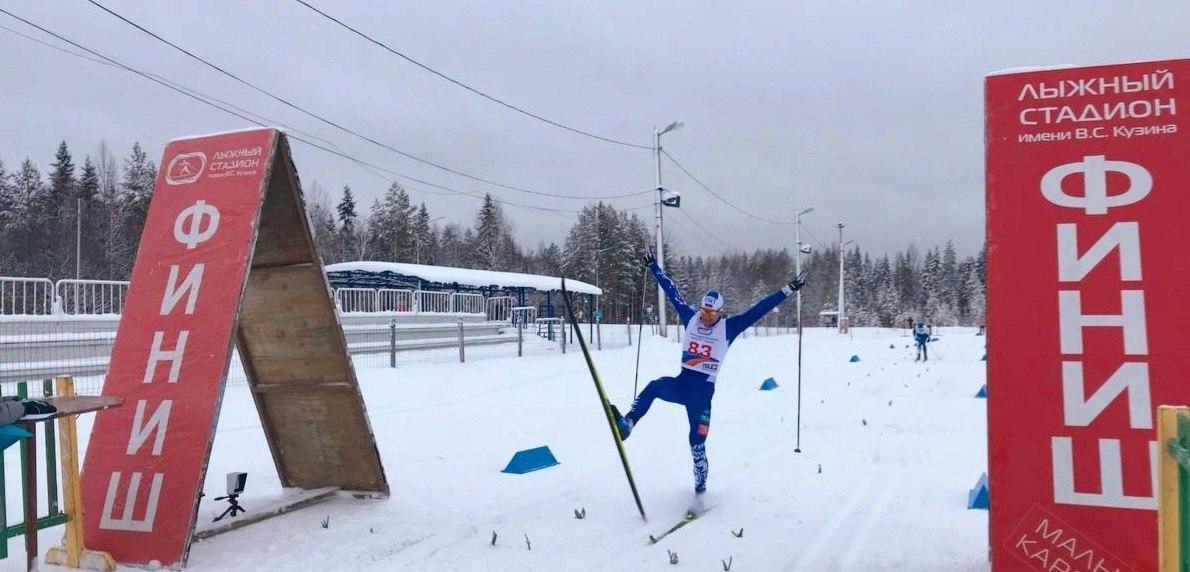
{"x":466,"y":276}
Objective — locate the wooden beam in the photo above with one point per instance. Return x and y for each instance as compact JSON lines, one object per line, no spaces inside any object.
{"x":1168,"y":507}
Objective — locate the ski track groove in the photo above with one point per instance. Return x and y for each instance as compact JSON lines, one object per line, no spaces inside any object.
{"x":860,"y":540}
{"x":824,"y":537}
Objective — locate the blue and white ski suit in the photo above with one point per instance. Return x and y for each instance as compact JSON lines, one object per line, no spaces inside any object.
{"x":703,"y":350}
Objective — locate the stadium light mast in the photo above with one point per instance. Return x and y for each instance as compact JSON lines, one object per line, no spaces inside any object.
{"x":660,"y":199}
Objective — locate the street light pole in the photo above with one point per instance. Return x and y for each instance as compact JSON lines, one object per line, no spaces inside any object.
{"x":842,"y":299}
{"x":78,"y":239}
{"x":660,"y":246}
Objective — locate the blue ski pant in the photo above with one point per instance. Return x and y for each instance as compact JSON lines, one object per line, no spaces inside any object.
{"x":694,"y":391}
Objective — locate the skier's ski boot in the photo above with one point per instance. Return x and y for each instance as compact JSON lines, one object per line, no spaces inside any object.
{"x":698,"y":506}
{"x":624,"y":424}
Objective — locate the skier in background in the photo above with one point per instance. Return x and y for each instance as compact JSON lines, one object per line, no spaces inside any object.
{"x":705,"y":341}
{"x":921,"y":334}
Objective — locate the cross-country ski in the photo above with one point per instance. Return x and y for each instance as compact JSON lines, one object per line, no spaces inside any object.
{"x":689,"y":517}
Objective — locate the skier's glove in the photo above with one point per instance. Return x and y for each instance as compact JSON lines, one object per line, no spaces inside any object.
{"x":649,"y":257}
{"x":797,"y":283}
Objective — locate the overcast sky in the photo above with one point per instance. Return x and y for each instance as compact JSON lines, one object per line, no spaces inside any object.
{"x":870,"y":112}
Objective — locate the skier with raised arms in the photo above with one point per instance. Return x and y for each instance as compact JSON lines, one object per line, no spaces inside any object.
{"x":705,"y":341}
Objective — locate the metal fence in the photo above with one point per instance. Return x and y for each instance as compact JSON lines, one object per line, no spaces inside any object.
{"x":26,"y":296}
{"x":467,"y":303}
{"x":432,"y":302}
{"x":390,"y":300}
{"x":500,"y":309}
{"x":39,"y":349}
{"x":524,"y":315}
{"x":22,"y":296}
{"x":355,"y":300}
{"x":91,"y":296}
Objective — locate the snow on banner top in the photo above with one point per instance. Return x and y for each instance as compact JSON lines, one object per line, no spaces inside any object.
{"x":1057,"y":67}
{"x":229,"y":132}
{"x":466,"y":276}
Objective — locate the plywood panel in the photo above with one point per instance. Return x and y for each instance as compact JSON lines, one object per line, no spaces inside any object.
{"x":295,"y":355}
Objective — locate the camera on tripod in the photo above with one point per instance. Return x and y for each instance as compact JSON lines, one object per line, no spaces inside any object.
{"x":235,"y":487}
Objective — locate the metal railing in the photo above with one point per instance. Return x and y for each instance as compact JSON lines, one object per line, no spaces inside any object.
{"x":355,"y":300}
{"x":523,"y":315}
{"x":437,"y":302}
{"x":26,"y":296}
{"x":500,"y":309}
{"x":466,"y":303}
{"x":391,"y":300}
{"x":23,"y":296}
{"x":91,"y":297}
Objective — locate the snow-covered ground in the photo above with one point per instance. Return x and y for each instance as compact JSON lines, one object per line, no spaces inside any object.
{"x":889,"y":449}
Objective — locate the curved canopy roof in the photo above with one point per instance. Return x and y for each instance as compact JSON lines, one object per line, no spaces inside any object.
{"x":446,"y":276}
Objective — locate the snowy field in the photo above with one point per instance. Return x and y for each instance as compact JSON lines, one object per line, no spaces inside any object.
{"x":889,"y":449}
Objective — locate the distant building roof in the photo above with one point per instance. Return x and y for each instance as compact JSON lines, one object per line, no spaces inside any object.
{"x":446,"y":276}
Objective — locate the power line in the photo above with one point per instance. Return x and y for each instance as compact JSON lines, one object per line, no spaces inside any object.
{"x":340,"y":127}
{"x":687,"y":232}
{"x":717,"y":195}
{"x":468,"y":87}
{"x":193,"y":95}
{"x":707,"y":232}
{"x":253,"y":116}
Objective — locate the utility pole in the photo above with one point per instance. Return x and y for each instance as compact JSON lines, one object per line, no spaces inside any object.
{"x":660,"y":199}
{"x":595,"y":310}
{"x":78,"y":239}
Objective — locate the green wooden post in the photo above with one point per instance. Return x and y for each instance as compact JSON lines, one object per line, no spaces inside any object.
{"x":3,"y":510}
{"x":51,"y":456}
{"x":23,"y":393}
{"x":1180,"y":449}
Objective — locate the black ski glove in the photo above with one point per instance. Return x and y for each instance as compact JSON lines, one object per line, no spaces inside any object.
{"x":797,"y":283}
{"x":649,"y":257}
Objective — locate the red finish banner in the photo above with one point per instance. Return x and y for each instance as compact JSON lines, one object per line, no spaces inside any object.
{"x":146,"y":460}
{"x":1088,"y":198}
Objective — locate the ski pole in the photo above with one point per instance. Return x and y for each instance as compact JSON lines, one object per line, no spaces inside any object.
{"x":640,"y":341}
{"x":797,"y":448}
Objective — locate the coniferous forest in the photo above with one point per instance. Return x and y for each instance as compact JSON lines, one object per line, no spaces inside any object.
{"x":107,"y":197}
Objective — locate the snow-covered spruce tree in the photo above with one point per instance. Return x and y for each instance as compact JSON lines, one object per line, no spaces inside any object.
{"x":57,"y":216}
{"x":951,"y":284}
{"x":136,"y":190}
{"x":424,"y":237}
{"x":7,"y":214}
{"x":348,"y":242}
{"x":450,"y":246}
{"x":976,"y":297}
{"x":391,"y":225}
{"x":27,"y":190}
{"x":91,"y":224}
{"x":887,"y":298}
{"x":489,"y":235}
